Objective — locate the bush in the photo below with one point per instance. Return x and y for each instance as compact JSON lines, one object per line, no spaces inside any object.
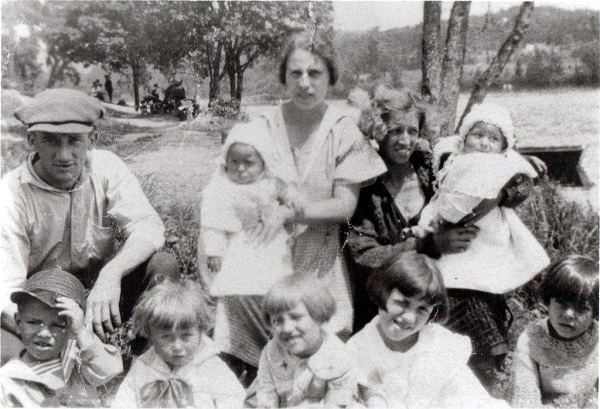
{"x":227,"y":108}
{"x":562,"y":227}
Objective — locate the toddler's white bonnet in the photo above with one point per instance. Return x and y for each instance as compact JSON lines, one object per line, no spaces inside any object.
{"x":255,"y":134}
{"x":491,"y":114}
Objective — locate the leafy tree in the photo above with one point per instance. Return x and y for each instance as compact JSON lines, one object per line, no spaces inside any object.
{"x":20,"y":46}
{"x":241,"y":32}
{"x":111,"y":33}
{"x":545,"y":69}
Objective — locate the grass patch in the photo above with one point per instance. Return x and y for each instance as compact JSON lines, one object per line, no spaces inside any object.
{"x":111,"y":130}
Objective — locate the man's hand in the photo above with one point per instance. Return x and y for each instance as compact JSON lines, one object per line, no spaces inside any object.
{"x":8,"y":320}
{"x":103,"y":305}
{"x":213,"y":263}
{"x":70,"y":309}
{"x":451,"y":239}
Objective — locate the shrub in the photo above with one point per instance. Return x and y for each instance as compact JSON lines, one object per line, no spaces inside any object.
{"x":562,"y":227}
{"x":227,"y":108}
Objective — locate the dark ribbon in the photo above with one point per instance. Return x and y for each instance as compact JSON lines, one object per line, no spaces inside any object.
{"x":171,"y":393}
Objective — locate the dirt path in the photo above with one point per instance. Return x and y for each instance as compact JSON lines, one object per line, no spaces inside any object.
{"x":179,"y":168}
{"x":179,"y":161}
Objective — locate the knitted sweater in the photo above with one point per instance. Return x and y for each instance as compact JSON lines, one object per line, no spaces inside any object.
{"x":546,"y":368}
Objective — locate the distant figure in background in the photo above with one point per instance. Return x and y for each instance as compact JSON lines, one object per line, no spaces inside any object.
{"x":108,"y":87}
{"x":174,"y":93}
{"x":177,"y":93}
{"x":96,"y":91}
{"x":155,"y":93}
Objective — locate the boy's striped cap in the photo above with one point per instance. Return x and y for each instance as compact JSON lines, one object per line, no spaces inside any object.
{"x":47,"y":285}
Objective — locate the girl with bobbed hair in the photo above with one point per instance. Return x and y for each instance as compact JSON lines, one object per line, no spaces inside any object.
{"x":556,"y":358}
{"x":304,"y":363}
{"x":405,"y":358}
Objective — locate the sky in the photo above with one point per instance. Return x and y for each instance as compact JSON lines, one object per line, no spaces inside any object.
{"x":364,"y":15}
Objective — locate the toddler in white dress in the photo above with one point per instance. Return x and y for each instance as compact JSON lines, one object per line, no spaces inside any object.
{"x":504,"y":255}
{"x":241,"y":194}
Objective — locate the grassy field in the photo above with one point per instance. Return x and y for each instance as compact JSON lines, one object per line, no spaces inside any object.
{"x":175,"y":160}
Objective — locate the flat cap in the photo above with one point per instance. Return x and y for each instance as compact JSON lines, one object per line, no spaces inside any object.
{"x":47,"y":285}
{"x":61,"y":110}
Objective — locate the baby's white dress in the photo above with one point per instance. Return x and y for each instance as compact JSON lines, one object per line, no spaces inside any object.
{"x":504,"y":255}
{"x":229,"y":212}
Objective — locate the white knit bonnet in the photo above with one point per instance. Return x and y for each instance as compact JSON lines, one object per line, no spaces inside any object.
{"x":255,"y":134}
{"x":490,"y":114}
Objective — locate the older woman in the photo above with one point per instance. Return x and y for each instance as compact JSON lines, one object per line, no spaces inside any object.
{"x":388,"y":208}
{"x":320,"y":150}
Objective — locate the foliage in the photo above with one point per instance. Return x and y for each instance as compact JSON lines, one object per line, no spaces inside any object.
{"x":562,"y":227}
{"x":574,"y":31}
{"x":238,"y":33}
{"x":227,"y":108}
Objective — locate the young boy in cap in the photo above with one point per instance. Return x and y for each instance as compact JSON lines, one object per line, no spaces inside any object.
{"x":50,"y":371}
{"x":64,"y":206}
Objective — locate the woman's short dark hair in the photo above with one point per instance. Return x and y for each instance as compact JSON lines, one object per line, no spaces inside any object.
{"x":304,"y":40}
{"x":412,"y":274}
{"x":573,"y":280}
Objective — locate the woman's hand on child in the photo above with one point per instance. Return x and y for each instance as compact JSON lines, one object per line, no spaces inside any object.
{"x":213,"y":263}
{"x":453,"y":239}
{"x":266,"y":230}
{"x":70,"y":309}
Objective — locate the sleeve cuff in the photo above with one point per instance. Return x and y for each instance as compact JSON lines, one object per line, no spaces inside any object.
{"x":94,"y":347}
{"x":426,"y":245}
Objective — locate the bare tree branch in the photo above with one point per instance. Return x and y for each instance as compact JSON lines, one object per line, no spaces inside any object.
{"x":499,"y":62}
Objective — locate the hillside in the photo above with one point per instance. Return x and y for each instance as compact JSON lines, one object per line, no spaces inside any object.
{"x":549,"y":25}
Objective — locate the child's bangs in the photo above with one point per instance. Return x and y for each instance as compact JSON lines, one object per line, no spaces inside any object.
{"x":574,"y":289}
{"x":278,"y":302}
{"x":422,"y":286}
{"x":173,"y":316}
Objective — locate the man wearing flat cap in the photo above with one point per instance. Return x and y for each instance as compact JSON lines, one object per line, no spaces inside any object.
{"x":64,"y":206}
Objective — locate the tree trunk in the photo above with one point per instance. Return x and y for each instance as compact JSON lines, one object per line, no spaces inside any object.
{"x":431,"y":64}
{"x":239,"y":86}
{"x":215,"y":80}
{"x":231,"y":73}
{"x":483,"y":83}
{"x":135,"y":67}
{"x":452,"y":64}
{"x":56,"y":71}
{"x":53,"y":75}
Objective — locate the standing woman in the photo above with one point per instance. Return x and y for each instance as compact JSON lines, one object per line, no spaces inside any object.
{"x":320,"y":150}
